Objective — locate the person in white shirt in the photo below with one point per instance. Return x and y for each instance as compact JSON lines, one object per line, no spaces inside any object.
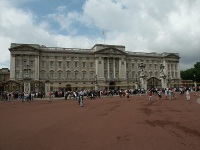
{"x":187,"y":95}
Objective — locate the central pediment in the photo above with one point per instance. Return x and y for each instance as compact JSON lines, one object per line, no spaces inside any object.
{"x":172,"y":56}
{"x":23,"y":47}
{"x":110,"y":50}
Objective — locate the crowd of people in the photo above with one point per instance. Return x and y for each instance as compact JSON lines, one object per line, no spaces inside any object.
{"x":7,"y":96}
{"x":163,"y":93}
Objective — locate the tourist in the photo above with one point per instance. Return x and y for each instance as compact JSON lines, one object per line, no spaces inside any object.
{"x":150,"y":94}
{"x":49,"y":96}
{"x":187,"y":95}
{"x":22,"y":97}
{"x":9,"y":97}
{"x":81,"y":94}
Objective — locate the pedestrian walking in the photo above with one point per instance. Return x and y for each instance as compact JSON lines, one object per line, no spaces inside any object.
{"x":187,"y":95}
{"x":166,"y":93}
{"x":49,"y":96}
{"x":9,"y":97}
{"x":150,"y":94}
{"x":81,"y":94}
{"x":22,"y":97}
{"x":159,"y":94}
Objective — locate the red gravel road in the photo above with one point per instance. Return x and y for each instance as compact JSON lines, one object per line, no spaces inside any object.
{"x":112,"y":123}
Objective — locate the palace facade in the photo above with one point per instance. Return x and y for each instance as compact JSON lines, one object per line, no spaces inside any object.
{"x":37,"y":68}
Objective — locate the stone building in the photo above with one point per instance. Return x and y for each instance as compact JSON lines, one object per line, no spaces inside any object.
{"x":40,"y":68}
{"x":4,"y":78}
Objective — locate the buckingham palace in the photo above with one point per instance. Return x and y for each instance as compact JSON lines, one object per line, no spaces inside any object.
{"x":35,"y":68}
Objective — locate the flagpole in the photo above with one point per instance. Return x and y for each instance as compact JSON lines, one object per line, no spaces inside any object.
{"x":104,"y":37}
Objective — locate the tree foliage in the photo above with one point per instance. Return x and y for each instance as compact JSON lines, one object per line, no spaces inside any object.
{"x":192,"y":74}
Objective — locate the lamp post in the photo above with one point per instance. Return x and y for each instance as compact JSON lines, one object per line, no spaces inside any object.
{"x":168,"y":81}
{"x":96,"y":83}
{"x":162,"y":76}
{"x":136,"y":82}
{"x":27,"y":80}
{"x":142,"y":66}
{"x":162,"y":67}
{"x":195,"y":84}
{"x":142,"y":76}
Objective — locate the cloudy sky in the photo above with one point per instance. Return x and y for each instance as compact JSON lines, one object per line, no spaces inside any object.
{"x":140,"y":25}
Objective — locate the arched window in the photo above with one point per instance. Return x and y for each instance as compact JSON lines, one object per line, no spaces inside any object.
{"x":84,"y":75}
{"x":68,"y":74}
{"x":59,"y":75}
{"x":51,"y":75}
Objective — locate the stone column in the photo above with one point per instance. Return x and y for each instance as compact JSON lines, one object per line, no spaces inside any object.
{"x":97,"y":66}
{"x":178,"y":70}
{"x":120,"y":66}
{"x":21,"y":68}
{"x":47,"y":88}
{"x":123,"y":69}
{"x":143,"y":81}
{"x":108,"y":67}
{"x":98,"y":72}
{"x":36,"y":68}
{"x":12,"y":67}
{"x":27,"y":86}
{"x":163,"y":81}
{"x":114,"y":67}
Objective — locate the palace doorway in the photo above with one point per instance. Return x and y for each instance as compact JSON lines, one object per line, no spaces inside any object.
{"x":153,"y":82}
{"x":112,"y":85}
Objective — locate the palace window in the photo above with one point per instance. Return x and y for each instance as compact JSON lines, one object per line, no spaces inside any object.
{"x":24,"y":63}
{"x":127,"y":65}
{"x":116,"y":64}
{"x":111,"y":75}
{"x":32,"y":63}
{"x":117,"y":75}
{"x":42,"y":75}
{"x":150,"y":66}
{"x":150,"y":74}
{"x":17,"y":75}
{"x":32,"y":75}
{"x":68,"y":75}
{"x":51,"y":75}
{"x":133,"y":65}
{"x":75,"y":64}
{"x":17,"y":63}
{"x":133,"y":74}
{"x":59,"y":64}
{"x":127,"y":74}
{"x":51,"y":64}
{"x":59,"y":76}
{"x":155,"y":66}
{"x":43,"y":63}
{"x":91,"y":75}
{"x":68,"y":64}
{"x":76,"y":75}
{"x":105,"y":74}
{"x":84,"y":64}
{"x":84,"y":75}
{"x":91,"y":65}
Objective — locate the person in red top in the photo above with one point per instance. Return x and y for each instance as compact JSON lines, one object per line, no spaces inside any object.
{"x":150,"y":94}
{"x":49,"y":96}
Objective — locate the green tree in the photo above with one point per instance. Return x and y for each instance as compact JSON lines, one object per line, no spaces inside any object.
{"x":192,"y":73}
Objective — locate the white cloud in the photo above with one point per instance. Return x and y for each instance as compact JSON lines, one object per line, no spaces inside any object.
{"x":140,"y":25}
{"x":170,"y":26}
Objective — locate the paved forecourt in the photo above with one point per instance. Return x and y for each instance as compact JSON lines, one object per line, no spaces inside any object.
{"x":108,"y":123}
